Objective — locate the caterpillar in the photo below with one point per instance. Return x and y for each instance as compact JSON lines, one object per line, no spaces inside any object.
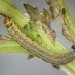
{"x":35,"y":49}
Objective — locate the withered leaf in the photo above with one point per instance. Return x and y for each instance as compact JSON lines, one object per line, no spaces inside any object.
{"x":32,"y":11}
{"x":35,"y":15}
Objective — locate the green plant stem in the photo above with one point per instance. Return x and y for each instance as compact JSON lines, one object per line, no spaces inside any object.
{"x":11,"y":46}
{"x":16,"y":15}
{"x":20,"y":19}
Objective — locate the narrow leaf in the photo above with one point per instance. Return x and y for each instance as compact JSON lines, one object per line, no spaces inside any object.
{"x":9,"y":45}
